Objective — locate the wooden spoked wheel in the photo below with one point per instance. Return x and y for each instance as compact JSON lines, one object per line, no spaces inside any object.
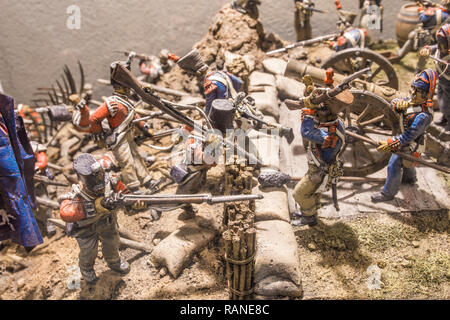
{"x":349,"y":61}
{"x":370,"y":116}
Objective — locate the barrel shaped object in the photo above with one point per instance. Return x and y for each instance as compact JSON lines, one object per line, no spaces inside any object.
{"x":407,"y":21}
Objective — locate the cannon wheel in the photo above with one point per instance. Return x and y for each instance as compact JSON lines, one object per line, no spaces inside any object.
{"x":352,"y":60}
{"x":370,"y":115}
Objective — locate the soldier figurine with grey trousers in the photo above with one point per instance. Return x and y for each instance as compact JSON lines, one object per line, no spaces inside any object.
{"x":90,"y":217}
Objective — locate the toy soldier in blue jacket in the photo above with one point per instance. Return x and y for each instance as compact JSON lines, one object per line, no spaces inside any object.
{"x":324,"y":135}
{"x":17,"y":199}
{"x":441,"y":51}
{"x":416,"y":114}
{"x":216,"y":84}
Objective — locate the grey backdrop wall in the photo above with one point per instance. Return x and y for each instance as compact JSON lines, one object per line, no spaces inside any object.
{"x":35,"y":41}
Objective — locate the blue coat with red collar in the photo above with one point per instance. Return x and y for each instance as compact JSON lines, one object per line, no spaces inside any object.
{"x":431,"y":17}
{"x":415,"y":125}
{"x":217,"y":90}
{"x":325,"y":143}
{"x":17,"y":200}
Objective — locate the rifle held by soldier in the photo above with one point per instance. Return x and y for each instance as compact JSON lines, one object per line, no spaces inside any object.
{"x":303,"y":43}
{"x":156,"y":200}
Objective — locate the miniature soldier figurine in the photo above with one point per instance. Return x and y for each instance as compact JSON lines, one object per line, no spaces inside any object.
{"x":216,"y":84}
{"x":369,"y":8}
{"x":434,"y":16}
{"x":43,"y":213}
{"x":120,"y":114}
{"x":302,"y":19}
{"x":324,"y":136}
{"x":416,"y":114}
{"x":431,"y":18}
{"x":158,"y":66}
{"x":249,"y":7}
{"x":351,"y":38}
{"x":90,"y":216}
{"x":17,"y":199}
{"x":190,"y":174}
{"x":441,"y":51}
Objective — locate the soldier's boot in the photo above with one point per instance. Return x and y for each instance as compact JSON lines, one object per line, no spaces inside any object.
{"x":89,"y":276}
{"x":442,"y":122}
{"x":304,"y":220}
{"x":409,"y":180}
{"x":189,"y":212}
{"x":122,"y":267}
{"x":51,"y":229}
{"x":380,"y":197}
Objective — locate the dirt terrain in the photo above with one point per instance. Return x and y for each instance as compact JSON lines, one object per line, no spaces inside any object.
{"x":374,"y":256}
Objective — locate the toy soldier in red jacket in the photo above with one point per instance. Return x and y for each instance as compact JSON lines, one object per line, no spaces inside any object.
{"x":120,"y":114}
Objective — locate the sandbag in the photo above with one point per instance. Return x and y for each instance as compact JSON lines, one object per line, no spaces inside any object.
{"x":262,"y":79}
{"x":277,"y":263}
{"x":289,"y":88}
{"x":267,"y":147}
{"x":267,"y":101}
{"x":274,"y":66}
{"x":273,"y":206}
{"x":176,"y":250}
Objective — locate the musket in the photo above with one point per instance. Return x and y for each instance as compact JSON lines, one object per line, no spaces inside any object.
{"x":403,"y":155}
{"x":47,"y":181}
{"x":122,"y":198}
{"x":151,"y":116}
{"x":301,"y":6}
{"x":244,"y":109}
{"x":139,"y":56}
{"x":303,"y":43}
{"x":124,"y":77}
{"x":171,"y":92}
{"x":294,"y":105}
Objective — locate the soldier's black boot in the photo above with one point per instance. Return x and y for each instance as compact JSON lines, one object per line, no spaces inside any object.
{"x":304,"y":220}
{"x":380,"y":197}
{"x":123,"y":267}
{"x":409,"y":180}
{"x":89,"y":276}
{"x":189,"y":212}
{"x":51,"y":229}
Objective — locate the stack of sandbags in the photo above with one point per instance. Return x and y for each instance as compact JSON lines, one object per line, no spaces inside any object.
{"x":262,"y":88}
{"x":287,"y":88}
{"x":277,"y":264}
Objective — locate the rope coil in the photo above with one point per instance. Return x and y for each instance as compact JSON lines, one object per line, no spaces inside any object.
{"x":241,"y":262}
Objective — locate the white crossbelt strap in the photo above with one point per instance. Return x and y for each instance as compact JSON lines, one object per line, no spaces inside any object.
{"x":225,"y":80}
